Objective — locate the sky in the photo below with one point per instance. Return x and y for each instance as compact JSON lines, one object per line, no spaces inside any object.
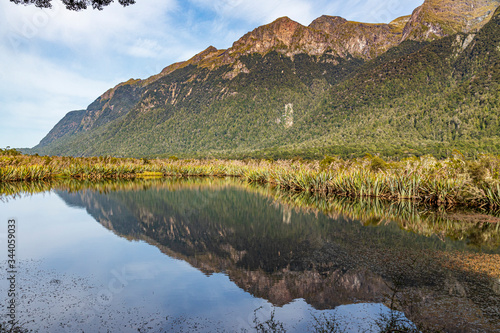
{"x":53,"y":61}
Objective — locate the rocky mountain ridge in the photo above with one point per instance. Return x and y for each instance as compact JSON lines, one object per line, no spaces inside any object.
{"x":278,"y":70}
{"x":438,"y":18}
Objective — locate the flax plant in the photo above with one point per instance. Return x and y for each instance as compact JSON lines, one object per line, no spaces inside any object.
{"x":454,"y":181}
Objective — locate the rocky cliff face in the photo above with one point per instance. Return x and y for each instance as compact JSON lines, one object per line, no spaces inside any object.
{"x":360,"y":39}
{"x":66,"y":126}
{"x":113,"y":104}
{"x":283,"y":35}
{"x":439,"y":18}
{"x":325,"y":34}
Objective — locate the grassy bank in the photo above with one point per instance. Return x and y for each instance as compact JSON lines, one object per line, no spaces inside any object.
{"x":453,"y":181}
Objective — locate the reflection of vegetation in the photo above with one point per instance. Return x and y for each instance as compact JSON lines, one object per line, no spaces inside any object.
{"x":14,"y":189}
{"x":270,"y":325}
{"x":16,"y":328}
{"x":394,"y":321}
{"x":421,"y":219}
{"x":327,"y":324}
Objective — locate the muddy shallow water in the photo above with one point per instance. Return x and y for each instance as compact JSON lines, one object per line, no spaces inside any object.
{"x":219,"y":255}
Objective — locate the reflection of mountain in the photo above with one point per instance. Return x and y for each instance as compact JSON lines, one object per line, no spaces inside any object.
{"x":279,"y":253}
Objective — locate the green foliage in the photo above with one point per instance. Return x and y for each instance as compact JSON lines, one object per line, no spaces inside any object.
{"x":377,"y":164}
{"x":477,"y":172}
{"x":74,"y":5}
{"x":326,"y":162}
{"x":9,"y":152}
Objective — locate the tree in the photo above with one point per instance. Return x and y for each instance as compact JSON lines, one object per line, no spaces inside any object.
{"x":75,"y":5}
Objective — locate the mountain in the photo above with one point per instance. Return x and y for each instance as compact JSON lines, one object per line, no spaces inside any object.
{"x":438,"y":18}
{"x":424,"y":83}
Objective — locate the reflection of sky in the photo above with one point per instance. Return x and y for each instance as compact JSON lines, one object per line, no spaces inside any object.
{"x":113,"y":282}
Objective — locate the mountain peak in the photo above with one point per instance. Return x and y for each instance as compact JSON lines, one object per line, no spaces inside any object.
{"x":203,"y":55}
{"x":283,"y":35}
{"x":343,"y":37}
{"x":283,"y":28}
{"x":363,"y":40}
{"x":439,"y":18}
{"x":325,"y":22}
{"x":197,"y":59}
{"x":283,"y":20}
{"x":434,"y":19}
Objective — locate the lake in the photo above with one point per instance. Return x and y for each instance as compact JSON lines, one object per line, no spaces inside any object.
{"x":220,"y":255}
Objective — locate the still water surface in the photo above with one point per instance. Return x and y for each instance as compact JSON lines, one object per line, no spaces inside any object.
{"x":217,"y":255}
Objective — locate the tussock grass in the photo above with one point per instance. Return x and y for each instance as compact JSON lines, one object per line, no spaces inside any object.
{"x":454,"y":181}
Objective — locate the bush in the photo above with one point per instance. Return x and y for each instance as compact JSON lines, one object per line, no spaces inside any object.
{"x":326,"y":162}
{"x":9,"y":152}
{"x":477,"y":171}
{"x":378,"y":164}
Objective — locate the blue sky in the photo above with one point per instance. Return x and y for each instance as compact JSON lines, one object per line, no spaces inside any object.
{"x":53,"y":61}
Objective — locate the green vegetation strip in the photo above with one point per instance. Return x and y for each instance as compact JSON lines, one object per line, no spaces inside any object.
{"x":453,"y":181}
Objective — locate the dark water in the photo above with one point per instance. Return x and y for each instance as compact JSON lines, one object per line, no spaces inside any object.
{"x":218,"y":255}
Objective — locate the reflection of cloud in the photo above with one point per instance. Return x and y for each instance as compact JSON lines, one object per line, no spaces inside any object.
{"x":143,"y":270}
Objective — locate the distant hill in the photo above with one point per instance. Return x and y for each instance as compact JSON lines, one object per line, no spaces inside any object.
{"x":425,"y":83}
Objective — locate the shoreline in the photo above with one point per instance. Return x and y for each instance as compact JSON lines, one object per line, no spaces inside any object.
{"x":443,"y":183}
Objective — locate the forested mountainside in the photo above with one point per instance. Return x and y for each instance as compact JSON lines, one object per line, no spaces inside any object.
{"x":425,"y":83}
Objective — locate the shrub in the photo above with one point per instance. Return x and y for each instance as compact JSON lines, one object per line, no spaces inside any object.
{"x":378,"y":164}
{"x":326,"y":162}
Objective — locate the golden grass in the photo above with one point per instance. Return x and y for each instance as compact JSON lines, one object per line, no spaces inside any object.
{"x":454,"y":181}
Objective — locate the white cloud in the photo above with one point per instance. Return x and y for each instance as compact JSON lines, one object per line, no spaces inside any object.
{"x":42,"y":77}
{"x":91,"y":28}
{"x":36,"y":94}
{"x":145,"y":48}
{"x":54,"y":61}
{"x":304,"y":11}
{"x":259,"y":11}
